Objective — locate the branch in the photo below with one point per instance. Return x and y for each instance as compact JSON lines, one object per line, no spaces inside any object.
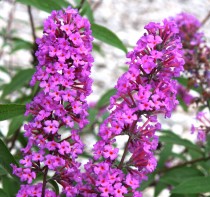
{"x":183,"y":164}
{"x":81,"y":4}
{"x":124,"y":153}
{"x":44,"y":181}
{"x":33,"y":34}
{"x":205,"y":19}
{"x":32,"y":23}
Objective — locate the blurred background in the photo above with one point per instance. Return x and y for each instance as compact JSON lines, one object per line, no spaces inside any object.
{"x":21,"y":23}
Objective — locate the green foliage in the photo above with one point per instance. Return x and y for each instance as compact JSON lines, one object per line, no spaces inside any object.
{"x":6,"y":158}
{"x":19,"y":44}
{"x":104,"y":100}
{"x":15,"y":124}
{"x":10,"y":186}
{"x":46,"y":6}
{"x":21,"y":78}
{"x":193,"y":185}
{"x":171,"y":138}
{"x":8,"y":111}
{"x":107,"y":36}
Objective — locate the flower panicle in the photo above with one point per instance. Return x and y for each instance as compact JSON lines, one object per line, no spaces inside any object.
{"x":64,"y":65}
{"x":145,"y":90}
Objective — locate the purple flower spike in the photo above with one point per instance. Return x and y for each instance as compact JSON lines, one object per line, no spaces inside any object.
{"x":145,"y":90}
{"x":63,"y":55}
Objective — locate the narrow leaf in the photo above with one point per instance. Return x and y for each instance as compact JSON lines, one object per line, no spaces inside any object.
{"x":3,"y":193}
{"x":105,"y":35}
{"x":6,"y":158}
{"x":104,"y":100}
{"x":46,"y":6}
{"x":8,"y":111}
{"x":193,"y":185}
{"x":19,"y":44}
{"x":10,"y":186}
{"x":15,"y":124}
{"x":21,"y":78}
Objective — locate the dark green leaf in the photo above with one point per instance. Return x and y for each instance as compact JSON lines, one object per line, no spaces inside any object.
{"x":184,"y":81}
{"x":2,"y":171}
{"x":104,"y":100}
{"x":22,"y":139}
{"x":97,"y":48}
{"x":178,"y":175}
{"x":92,"y":115}
{"x":86,"y":10}
{"x":8,"y":111}
{"x":21,"y":78}
{"x":10,"y":186}
{"x":182,"y":104}
{"x":6,"y":158}
{"x":145,"y":184}
{"x":193,"y":185}
{"x":55,"y":186}
{"x":107,"y":36}
{"x":159,"y":187}
{"x":15,"y":124}
{"x":3,"y":69}
{"x":19,"y":44}
{"x":47,"y":6}
{"x":174,"y":139}
{"x":3,"y":193}
{"x":164,"y":155}
{"x":184,"y":195}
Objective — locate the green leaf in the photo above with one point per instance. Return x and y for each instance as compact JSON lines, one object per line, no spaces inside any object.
{"x":175,"y":176}
{"x":182,"y":104}
{"x":107,"y":36}
{"x":6,"y":158}
{"x":46,"y":6}
{"x":97,"y":48}
{"x":3,"y":193}
{"x":19,"y":44}
{"x":3,"y":69}
{"x":2,"y":171}
{"x":92,"y":115}
{"x":184,"y":81}
{"x":159,"y":187}
{"x":8,"y":111}
{"x":10,"y":186}
{"x":22,"y":139}
{"x":164,"y":155}
{"x":175,"y":139}
{"x":55,"y":185}
{"x":104,"y":100}
{"x":145,"y":184}
{"x":15,"y":124}
{"x":193,"y":185}
{"x":22,"y":77}
{"x":86,"y":10}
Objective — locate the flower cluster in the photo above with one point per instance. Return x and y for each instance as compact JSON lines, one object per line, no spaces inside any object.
{"x":203,"y":127}
{"x":184,"y":95}
{"x":197,"y":66}
{"x":63,"y":76}
{"x":145,"y":90}
{"x":196,"y":55}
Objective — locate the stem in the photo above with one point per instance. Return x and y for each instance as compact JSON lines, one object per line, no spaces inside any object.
{"x":183,"y":164}
{"x":44,"y":181}
{"x":32,"y":23}
{"x":14,"y":138}
{"x":7,"y":35}
{"x":205,"y":19}
{"x":124,"y":153}
{"x":33,"y":34}
{"x":81,"y":4}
